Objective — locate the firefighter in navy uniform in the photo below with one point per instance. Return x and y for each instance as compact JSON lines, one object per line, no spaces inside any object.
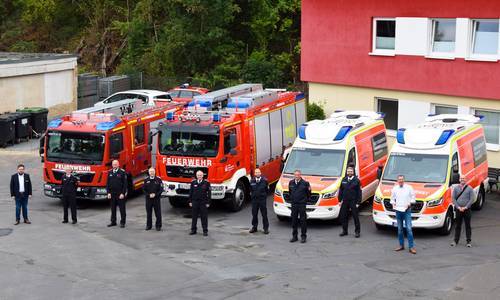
{"x":350,"y":197}
{"x":69,"y":184}
{"x":153,"y":187}
{"x":117,"y":191}
{"x":199,"y":200}
{"x":259,"y":189}
{"x":300,"y":193}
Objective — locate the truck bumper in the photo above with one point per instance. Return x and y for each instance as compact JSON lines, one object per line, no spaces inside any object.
{"x":313,"y":211}
{"x":418,"y":220}
{"x":181,"y":189}
{"x":85,"y":192}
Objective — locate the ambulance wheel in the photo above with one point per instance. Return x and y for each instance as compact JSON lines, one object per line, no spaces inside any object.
{"x":479,"y":200}
{"x":379,"y":226}
{"x":178,"y":202}
{"x":448,"y":223}
{"x":236,"y":200}
{"x":282,"y":218}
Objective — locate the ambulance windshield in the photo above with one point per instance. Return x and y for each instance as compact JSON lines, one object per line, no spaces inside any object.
{"x":417,"y":167}
{"x":315,"y":162}
{"x":189,"y":142}
{"x":73,"y":147}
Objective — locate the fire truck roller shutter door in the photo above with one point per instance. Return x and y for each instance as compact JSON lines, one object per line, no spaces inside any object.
{"x":300,"y":112}
{"x":262,"y":139}
{"x":289,"y":125}
{"x":276,"y":134}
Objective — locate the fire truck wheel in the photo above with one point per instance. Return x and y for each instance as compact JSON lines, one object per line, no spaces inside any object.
{"x":282,"y":218}
{"x":238,"y":198}
{"x":448,"y":223}
{"x":479,"y":200}
{"x":178,"y":202}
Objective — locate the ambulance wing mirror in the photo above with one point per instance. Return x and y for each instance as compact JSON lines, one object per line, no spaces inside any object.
{"x":41,"y":150}
{"x":379,"y":171}
{"x":286,"y":153}
{"x":455,"y":178}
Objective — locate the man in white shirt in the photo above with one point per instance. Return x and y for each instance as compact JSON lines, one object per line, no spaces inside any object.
{"x":401,"y":199}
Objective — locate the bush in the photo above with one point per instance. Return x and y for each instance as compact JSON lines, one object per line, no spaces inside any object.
{"x":315,"y":111}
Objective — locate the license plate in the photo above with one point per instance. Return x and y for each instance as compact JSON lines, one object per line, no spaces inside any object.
{"x":184,"y":186}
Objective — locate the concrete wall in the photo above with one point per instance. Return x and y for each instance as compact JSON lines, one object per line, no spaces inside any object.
{"x":48,"y":83}
{"x":334,"y":97}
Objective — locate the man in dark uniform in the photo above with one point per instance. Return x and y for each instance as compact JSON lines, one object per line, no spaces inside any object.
{"x":69,"y":183}
{"x":153,"y":187}
{"x":199,"y":200}
{"x":259,"y":189}
{"x":21,"y":191}
{"x":350,"y":198}
{"x":300,"y":192}
{"x":117,"y":190}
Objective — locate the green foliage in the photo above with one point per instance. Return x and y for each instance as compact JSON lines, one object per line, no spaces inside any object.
{"x":315,"y":111}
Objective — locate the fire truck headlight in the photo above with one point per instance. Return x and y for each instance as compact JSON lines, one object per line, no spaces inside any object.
{"x":435,"y":202}
{"x":330,"y":195}
{"x":101,"y":191}
{"x":47,"y":187}
{"x":278,"y":192}
{"x":377,"y":199}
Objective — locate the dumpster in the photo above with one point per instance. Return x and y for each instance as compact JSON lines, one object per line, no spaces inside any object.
{"x":22,"y":125}
{"x":7,"y":129}
{"x":38,"y":119}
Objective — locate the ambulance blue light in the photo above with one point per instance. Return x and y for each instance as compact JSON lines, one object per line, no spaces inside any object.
{"x":170,"y":115}
{"x":342,"y":133}
{"x":302,"y":131}
{"x":55,"y":123}
{"x":299,"y":96}
{"x":216,"y":118}
{"x":107,"y":125}
{"x":481,"y":117}
{"x":400,"y":136}
{"x":445,"y":135}
{"x":381,"y":114}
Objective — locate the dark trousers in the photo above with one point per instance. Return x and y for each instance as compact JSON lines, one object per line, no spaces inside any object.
{"x":199,"y":209}
{"x":153,"y":204}
{"x":116,"y":201}
{"x":299,"y":215}
{"x":465,"y":216}
{"x":69,"y":202}
{"x":344,"y":215}
{"x":22,"y":205}
{"x":256,"y":206}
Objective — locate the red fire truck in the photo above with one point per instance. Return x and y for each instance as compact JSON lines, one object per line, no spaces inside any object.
{"x":88,"y":140}
{"x":227,"y":134}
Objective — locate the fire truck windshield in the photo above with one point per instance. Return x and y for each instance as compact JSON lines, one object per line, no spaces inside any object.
{"x":315,"y":162}
{"x":75,"y":147}
{"x":417,"y":167}
{"x":189,"y":142}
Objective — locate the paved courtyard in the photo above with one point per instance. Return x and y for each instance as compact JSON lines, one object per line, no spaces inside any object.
{"x":50,"y":260}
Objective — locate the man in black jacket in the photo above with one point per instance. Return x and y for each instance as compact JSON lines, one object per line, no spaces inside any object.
{"x":300,"y":193}
{"x":259,"y":189}
{"x":153,"y":187}
{"x":117,"y":190}
{"x":350,"y":198}
{"x":199,"y":200}
{"x":69,"y":183}
{"x":20,"y":190}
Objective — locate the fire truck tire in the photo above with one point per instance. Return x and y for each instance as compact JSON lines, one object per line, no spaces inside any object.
{"x":178,"y":202}
{"x":237,"y":199}
{"x":448,"y":223}
{"x":282,"y":218}
{"x":478,"y":205}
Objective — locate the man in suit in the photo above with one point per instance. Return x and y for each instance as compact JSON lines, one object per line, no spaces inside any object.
{"x":20,"y":190}
{"x":153,"y":187}
{"x":69,"y":184}
{"x":350,"y":199}
{"x":117,"y":190}
{"x":300,"y":193}
{"x":199,"y":200}
{"x":259,"y":188}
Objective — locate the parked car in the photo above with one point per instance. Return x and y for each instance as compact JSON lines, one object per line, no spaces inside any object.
{"x":185,"y":92}
{"x":147,"y":96}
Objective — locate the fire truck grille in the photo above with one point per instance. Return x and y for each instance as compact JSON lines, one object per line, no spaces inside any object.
{"x":415,"y":207}
{"x":312,"y":201}
{"x":185,"y":172}
{"x":84,"y":177}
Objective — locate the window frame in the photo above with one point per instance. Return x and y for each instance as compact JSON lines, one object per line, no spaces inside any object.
{"x":116,"y":134}
{"x":434,"y":105}
{"x":484,"y":156}
{"x":140,"y":143}
{"x":472,"y":38}
{"x":390,"y":132}
{"x":430,"y":50}
{"x":489,"y":146}
{"x":377,"y":142}
{"x":383,"y":52}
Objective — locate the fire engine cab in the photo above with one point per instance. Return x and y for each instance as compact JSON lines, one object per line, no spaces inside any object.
{"x":322,"y":152}
{"x":431,"y":156}
{"x":227,"y":134}
{"x":88,"y":140}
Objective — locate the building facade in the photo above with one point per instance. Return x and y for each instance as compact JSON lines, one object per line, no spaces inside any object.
{"x":407,"y":59}
{"x":38,"y":80}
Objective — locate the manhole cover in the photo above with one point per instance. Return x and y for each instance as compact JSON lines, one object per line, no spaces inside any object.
{"x":5,"y":231}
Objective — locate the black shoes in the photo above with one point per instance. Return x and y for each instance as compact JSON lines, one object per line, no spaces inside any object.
{"x":266,"y":231}
{"x":111,"y":224}
{"x":192,"y":232}
{"x":294,"y":239}
{"x":357,"y":235}
{"x":158,"y":228}
{"x":122,"y":225}
{"x":64,"y":221}
{"x":205,"y":233}
{"x":17,"y":222}
{"x":148,"y":228}
{"x":253,"y":230}
{"x":303,"y":239}
{"x":343,"y":233}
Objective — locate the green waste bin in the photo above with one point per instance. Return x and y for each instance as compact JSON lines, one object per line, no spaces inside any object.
{"x":7,"y":129}
{"x":38,"y":118}
{"x":22,"y":127}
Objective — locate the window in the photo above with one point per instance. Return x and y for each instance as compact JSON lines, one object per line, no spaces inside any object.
{"x":443,"y":35}
{"x":491,"y":125}
{"x":390,"y":109}
{"x":163,"y":97}
{"x":351,"y":158}
{"x":186,"y":94}
{"x":139,"y":134}
{"x":379,"y":146}
{"x":116,"y":98}
{"x":479,"y":151}
{"x":174,"y":93}
{"x":454,"y":163}
{"x":229,"y":140}
{"x":384,"y":35}
{"x":485,"y":37}
{"x":441,"y":109}
{"x":115,"y":144}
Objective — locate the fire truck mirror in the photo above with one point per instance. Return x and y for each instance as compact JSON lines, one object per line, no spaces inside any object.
{"x":150,"y":147}
{"x":41,"y":150}
{"x":233,"y":151}
{"x":379,"y":171}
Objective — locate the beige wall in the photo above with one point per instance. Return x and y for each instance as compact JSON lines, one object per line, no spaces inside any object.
{"x":356,"y":98}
